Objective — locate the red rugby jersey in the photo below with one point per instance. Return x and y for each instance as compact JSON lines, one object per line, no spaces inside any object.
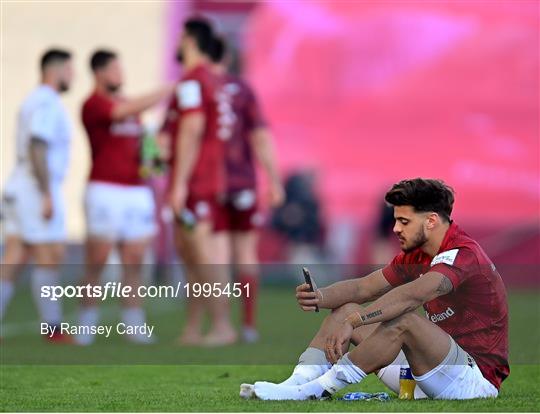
{"x":245,"y":117}
{"x":115,"y":145}
{"x":198,"y":92}
{"x":475,"y":313}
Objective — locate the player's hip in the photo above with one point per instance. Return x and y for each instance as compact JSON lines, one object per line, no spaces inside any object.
{"x":117,"y":212}
{"x":456,"y":377}
{"x":22,"y":213}
{"x":119,"y":196}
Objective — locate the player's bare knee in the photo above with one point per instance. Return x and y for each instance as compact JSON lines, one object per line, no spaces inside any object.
{"x":403,"y":323}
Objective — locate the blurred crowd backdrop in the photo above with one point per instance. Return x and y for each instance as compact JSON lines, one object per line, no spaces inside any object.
{"x":359,"y":94}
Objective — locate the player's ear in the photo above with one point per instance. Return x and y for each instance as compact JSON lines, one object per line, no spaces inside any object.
{"x":432,"y":220}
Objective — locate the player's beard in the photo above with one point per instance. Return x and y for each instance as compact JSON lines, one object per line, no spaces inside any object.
{"x":63,"y":86}
{"x":417,"y":241}
{"x":179,"y":56}
{"x":113,"y":87}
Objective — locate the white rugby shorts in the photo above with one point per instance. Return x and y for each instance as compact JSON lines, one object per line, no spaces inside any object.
{"x":119,"y":212}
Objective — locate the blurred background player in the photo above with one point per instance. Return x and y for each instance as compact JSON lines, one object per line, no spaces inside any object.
{"x":119,"y":205}
{"x":34,"y":213}
{"x":246,"y":136}
{"x":198,"y":180}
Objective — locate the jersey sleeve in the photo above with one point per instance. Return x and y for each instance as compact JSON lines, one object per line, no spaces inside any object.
{"x":396,"y":272}
{"x":456,"y":264}
{"x":43,"y":122}
{"x":189,"y":96}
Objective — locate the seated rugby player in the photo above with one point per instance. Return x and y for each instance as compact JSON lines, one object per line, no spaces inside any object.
{"x":459,"y":351}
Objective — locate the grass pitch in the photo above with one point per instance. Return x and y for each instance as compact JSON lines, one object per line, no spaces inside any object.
{"x":114,"y":376}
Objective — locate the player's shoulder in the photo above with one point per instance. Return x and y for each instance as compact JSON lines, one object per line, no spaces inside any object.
{"x":95,"y":100}
{"x":416,"y":256}
{"x":40,"y":96}
{"x":200,"y":73}
{"x":461,"y":247}
{"x":459,"y":239}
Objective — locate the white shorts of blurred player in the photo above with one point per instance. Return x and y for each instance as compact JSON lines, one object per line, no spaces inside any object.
{"x":456,"y":378}
{"x":119,"y":212}
{"x":22,"y":212}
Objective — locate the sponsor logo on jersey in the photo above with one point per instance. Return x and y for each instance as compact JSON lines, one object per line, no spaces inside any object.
{"x":189,"y":94}
{"x":447,"y":257}
{"x":128,"y":128}
{"x":438,"y":317}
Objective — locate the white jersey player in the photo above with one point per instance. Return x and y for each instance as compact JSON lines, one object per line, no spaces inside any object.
{"x":33,"y":211}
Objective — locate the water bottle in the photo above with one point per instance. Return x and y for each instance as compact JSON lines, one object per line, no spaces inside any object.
{"x":151,"y":163}
{"x":407,"y":384}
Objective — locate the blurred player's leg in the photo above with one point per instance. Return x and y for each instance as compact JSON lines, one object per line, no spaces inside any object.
{"x":120,"y":216}
{"x":222,"y":331}
{"x":247,"y":270}
{"x":97,"y":253}
{"x":196,"y":247}
{"x":136,"y":234}
{"x":102,"y":225}
{"x":44,"y":236}
{"x":48,"y":258}
{"x":132,"y":255}
{"x":188,"y":249}
{"x":13,"y":258}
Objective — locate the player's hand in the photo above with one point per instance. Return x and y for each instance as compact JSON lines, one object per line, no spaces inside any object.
{"x":47,"y":206}
{"x":307,"y":299}
{"x":178,"y":199}
{"x":335,"y":342}
{"x":277,"y":194}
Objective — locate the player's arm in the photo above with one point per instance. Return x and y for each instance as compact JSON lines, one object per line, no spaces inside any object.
{"x":38,"y":159}
{"x":359,"y":291}
{"x":188,"y":146}
{"x":402,"y":299}
{"x":135,"y":106}
{"x":262,"y":144}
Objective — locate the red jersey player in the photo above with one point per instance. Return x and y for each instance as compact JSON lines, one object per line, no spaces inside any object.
{"x":198,"y":180}
{"x":459,"y":351}
{"x":119,"y":206}
{"x":247,"y":139}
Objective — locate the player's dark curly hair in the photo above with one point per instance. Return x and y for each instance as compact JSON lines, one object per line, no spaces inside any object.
{"x":218,"y":48}
{"x":101,"y":58}
{"x":201,"y":30}
{"x":424,"y":195}
{"x":53,"y":56}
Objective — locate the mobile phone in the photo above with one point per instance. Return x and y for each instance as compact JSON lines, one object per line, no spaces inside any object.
{"x":309,"y":281}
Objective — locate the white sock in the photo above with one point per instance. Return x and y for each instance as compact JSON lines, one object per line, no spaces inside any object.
{"x":50,"y":311}
{"x":133,"y":316}
{"x":311,"y":365}
{"x":339,"y":376}
{"x":6,"y":293}
{"x":88,"y":316}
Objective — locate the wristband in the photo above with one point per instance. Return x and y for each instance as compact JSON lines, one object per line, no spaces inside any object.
{"x":354,"y":319}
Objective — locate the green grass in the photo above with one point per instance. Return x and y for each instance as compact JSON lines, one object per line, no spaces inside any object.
{"x":114,"y":376}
